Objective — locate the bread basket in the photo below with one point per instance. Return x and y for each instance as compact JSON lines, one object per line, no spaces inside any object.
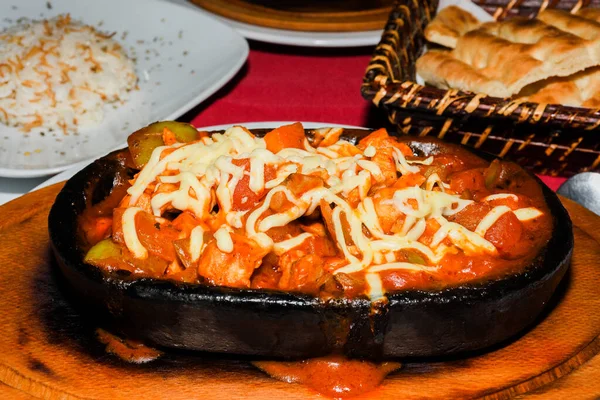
{"x":547,"y":138}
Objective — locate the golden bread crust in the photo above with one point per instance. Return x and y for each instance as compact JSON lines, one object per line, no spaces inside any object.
{"x":575,"y":24}
{"x":552,"y":90}
{"x":589,"y":13}
{"x":442,"y":70}
{"x":514,"y":65}
{"x":451,"y":23}
{"x":551,"y":59}
{"x":580,"y":89}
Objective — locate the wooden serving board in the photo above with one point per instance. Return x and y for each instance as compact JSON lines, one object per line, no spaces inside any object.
{"x":47,"y":352}
{"x":347,"y":16}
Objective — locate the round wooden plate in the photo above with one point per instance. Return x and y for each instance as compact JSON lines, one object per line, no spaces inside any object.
{"x":47,"y":352}
{"x":349,"y":17}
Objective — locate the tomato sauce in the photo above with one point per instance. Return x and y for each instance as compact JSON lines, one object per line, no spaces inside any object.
{"x":127,"y":350}
{"x":313,"y":266}
{"x":334,"y":376}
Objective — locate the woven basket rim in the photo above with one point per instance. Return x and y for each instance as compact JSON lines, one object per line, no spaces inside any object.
{"x":382,"y":89}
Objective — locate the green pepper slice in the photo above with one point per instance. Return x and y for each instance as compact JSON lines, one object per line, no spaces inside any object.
{"x":414,"y":258}
{"x":491,"y":174}
{"x":111,"y":256}
{"x":143,"y":142}
{"x":103,"y":250}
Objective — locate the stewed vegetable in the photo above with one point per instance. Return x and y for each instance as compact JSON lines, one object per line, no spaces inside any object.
{"x":314,"y":214}
{"x":143,"y":142}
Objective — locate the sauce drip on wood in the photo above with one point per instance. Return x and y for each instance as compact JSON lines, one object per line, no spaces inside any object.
{"x":127,"y":350}
{"x":334,"y":375}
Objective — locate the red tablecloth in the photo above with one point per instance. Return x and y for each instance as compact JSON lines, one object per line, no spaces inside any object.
{"x":280,"y":83}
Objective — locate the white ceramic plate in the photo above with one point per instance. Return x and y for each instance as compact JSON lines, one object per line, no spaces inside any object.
{"x":183,"y":56}
{"x":11,"y":188}
{"x":250,"y":125}
{"x":300,"y":38}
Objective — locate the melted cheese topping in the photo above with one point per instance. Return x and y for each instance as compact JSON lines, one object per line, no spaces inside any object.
{"x":196,"y":242}
{"x":130,"y":235}
{"x":223,"y":238}
{"x":370,"y":151}
{"x":501,"y":196}
{"x":526,"y":214}
{"x":376,"y":291}
{"x":287,"y":245}
{"x":490,"y":219}
{"x":203,"y":175}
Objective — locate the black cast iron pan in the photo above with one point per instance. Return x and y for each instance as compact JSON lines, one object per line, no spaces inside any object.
{"x":276,"y":324}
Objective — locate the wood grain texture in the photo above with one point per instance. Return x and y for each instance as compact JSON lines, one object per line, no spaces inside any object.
{"x":7,"y":392}
{"x":311,"y":19}
{"x":584,"y":382}
{"x":49,"y":351}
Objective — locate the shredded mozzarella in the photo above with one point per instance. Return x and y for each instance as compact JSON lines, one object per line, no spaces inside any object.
{"x":501,"y":196}
{"x":286,"y":245}
{"x":223,"y":238}
{"x":490,"y":219}
{"x":526,"y":214}
{"x":196,"y":242}
{"x":370,"y":151}
{"x":130,"y":235}
{"x":204,"y":175}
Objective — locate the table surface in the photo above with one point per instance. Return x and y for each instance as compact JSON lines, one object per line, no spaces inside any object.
{"x":282,"y":83}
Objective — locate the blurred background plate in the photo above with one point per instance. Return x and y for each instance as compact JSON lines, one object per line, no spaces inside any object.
{"x":325,"y":23}
{"x":304,"y":15}
{"x":183,"y":56}
{"x":306,"y":39}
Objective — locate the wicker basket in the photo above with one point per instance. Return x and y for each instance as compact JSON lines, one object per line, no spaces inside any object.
{"x":550,"y":139}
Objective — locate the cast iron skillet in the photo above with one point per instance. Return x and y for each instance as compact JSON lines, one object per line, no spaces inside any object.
{"x":276,"y":324}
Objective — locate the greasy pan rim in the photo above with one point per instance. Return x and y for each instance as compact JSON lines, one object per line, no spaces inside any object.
{"x":558,"y":249}
{"x":552,"y":262}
